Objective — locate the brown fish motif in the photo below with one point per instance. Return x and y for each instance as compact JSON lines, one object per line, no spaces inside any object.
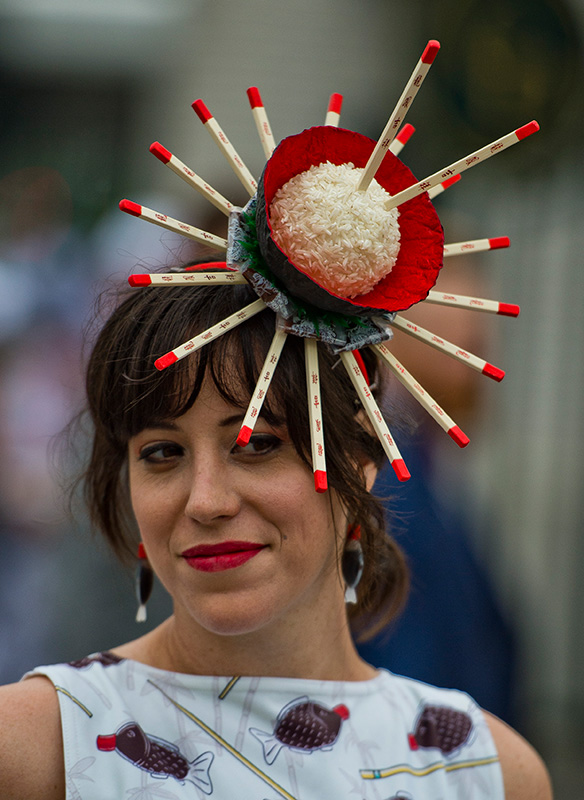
{"x":106,"y":659}
{"x":158,"y":757}
{"x":441,"y":727}
{"x":302,"y":725}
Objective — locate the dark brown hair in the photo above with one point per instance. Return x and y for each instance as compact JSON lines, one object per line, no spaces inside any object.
{"x":127,"y":394}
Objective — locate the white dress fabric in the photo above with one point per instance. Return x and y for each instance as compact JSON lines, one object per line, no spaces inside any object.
{"x":132,"y":732}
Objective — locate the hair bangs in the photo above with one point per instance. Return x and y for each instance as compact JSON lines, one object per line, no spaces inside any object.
{"x":135,"y":395}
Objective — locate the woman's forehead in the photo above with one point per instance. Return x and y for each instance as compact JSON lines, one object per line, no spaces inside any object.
{"x":211,"y":405}
{"x":207,"y":392}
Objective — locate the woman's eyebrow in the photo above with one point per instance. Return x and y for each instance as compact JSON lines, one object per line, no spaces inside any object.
{"x":238,"y":418}
{"x":167,"y":425}
{"x":170,"y":425}
{"x":232,"y":419}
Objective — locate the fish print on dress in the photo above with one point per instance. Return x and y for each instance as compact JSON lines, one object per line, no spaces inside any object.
{"x":158,"y":757}
{"x":441,"y":727}
{"x":401,"y":796}
{"x":105,"y":659}
{"x":302,"y":725}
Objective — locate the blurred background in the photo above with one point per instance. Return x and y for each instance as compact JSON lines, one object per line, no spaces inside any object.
{"x":494,"y":532}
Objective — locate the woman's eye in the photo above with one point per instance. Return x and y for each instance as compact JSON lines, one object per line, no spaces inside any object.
{"x":259,"y":444}
{"x":160,"y":453}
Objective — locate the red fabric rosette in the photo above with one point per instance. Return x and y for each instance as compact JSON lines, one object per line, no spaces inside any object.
{"x":422,"y":239}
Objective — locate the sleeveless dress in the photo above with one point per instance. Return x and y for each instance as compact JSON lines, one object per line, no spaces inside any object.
{"x":132,"y":732}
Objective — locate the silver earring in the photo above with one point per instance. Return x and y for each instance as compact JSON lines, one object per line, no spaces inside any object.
{"x":352,"y":563}
{"x":144,"y":583}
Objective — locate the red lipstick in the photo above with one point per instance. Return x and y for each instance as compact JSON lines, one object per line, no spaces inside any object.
{"x":221,"y":556}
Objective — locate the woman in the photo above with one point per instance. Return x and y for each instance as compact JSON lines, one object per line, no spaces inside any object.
{"x":257,"y":564}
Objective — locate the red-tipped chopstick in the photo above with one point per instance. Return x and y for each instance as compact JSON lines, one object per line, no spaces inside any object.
{"x":225,"y":146}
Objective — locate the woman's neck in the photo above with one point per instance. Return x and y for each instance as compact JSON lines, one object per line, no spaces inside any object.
{"x":293,"y":651}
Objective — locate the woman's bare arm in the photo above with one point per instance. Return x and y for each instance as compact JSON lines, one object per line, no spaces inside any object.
{"x":31,"y":747}
{"x":524,"y":773}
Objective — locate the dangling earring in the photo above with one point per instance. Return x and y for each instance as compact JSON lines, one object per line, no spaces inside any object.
{"x":352,"y":563}
{"x":144,"y":583}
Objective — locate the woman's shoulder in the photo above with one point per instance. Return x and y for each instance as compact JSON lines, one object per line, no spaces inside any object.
{"x":415,"y":692}
{"x":31,"y":749}
{"x":524,"y":774}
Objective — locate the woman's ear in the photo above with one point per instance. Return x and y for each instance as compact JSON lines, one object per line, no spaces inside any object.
{"x":370,"y":471}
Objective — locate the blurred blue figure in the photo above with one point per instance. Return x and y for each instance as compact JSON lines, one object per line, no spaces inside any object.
{"x":452,"y":632}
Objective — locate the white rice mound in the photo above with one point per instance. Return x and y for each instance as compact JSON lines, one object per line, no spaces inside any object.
{"x":342,"y":238}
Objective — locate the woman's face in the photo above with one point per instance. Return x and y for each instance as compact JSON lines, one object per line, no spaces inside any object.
{"x":238,"y":536}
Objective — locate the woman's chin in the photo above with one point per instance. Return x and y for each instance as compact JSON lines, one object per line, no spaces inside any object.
{"x":226,"y":616}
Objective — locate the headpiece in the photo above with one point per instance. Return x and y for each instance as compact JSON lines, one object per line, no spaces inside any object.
{"x":338,"y":238}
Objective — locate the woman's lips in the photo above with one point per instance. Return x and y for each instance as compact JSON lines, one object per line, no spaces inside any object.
{"x":221,"y":556}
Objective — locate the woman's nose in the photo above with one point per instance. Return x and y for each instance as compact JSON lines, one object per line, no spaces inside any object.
{"x":212,"y":495}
